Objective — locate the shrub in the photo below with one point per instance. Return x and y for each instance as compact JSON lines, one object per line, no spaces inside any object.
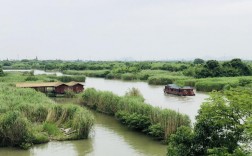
{"x":70,"y":93}
{"x":156,"y":131}
{"x":134,"y":121}
{"x":31,"y":78}
{"x":15,"y":130}
{"x":244,"y":81}
{"x":163,"y":80}
{"x":71,"y":78}
{"x":128,"y":76}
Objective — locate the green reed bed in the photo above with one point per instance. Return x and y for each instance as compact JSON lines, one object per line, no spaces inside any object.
{"x":218,"y":83}
{"x":28,"y":117}
{"x":165,"y":79}
{"x":90,"y":73}
{"x":71,"y":78}
{"x":135,"y":114}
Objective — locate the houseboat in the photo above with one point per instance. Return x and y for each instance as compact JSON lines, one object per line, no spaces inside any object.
{"x":176,"y":90}
{"x":53,"y":87}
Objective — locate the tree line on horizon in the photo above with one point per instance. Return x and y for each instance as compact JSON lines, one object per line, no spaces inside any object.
{"x":198,"y":68}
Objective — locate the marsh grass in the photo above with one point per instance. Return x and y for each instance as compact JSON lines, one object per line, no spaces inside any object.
{"x":28,"y":117}
{"x":90,"y":73}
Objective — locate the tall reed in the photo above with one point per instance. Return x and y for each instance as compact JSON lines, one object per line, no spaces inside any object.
{"x":28,"y":117}
{"x":133,"y":112}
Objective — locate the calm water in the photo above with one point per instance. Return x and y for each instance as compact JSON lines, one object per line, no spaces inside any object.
{"x":153,"y":95}
{"x":109,"y":137}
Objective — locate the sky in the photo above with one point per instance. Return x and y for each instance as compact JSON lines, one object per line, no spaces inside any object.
{"x":125,"y":29}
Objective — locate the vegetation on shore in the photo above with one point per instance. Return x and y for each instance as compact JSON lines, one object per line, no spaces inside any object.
{"x":223,"y":127}
{"x":203,"y":75}
{"x":28,"y":117}
{"x":13,"y":77}
{"x":131,"y":111}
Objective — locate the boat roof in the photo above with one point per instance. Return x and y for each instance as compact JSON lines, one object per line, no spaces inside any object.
{"x":173,"y":86}
{"x":45,"y":84}
{"x":177,"y":87}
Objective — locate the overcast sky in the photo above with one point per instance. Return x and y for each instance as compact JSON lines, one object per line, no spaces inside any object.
{"x":121,"y":29}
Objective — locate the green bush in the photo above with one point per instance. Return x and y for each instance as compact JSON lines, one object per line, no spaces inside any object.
{"x":15,"y":130}
{"x":244,"y":81}
{"x":210,"y":86}
{"x":90,"y":73}
{"x":163,"y":80}
{"x":71,"y":78}
{"x":128,"y":76}
{"x":156,"y":131}
{"x":134,"y":121}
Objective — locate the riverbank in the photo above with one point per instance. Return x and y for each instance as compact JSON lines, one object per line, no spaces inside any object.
{"x":161,"y":77}
{"x":152,"y":77}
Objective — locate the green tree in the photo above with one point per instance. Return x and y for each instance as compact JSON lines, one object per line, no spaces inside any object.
{"x":198,"y":61}
{"x":221,"y":126}
{"x":181,"y":143}
{"x":211,"y":68}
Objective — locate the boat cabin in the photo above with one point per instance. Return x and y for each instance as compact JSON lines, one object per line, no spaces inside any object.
{"x":176,"y":90}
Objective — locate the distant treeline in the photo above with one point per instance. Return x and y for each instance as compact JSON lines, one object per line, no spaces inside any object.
{"x":198,"y":68}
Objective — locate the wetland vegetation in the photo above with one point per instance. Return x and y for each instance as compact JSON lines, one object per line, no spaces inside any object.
{"x":204,"y":75}
{"x":222,"y":127}
{"x":28,"y":117}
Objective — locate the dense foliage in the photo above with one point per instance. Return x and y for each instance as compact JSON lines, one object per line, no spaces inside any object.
{"x":213,"y":68}
{"x":131,"y":111}
{"x":28,"y":117}
{"x":223,"y":127}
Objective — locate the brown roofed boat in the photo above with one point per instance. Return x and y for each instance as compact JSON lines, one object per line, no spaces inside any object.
{"x":176,"y":90}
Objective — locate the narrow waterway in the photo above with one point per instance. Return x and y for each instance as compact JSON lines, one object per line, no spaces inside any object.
{"x":109,"y":137}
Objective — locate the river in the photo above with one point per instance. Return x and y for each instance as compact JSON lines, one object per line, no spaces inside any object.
{"x":108,"y":136}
